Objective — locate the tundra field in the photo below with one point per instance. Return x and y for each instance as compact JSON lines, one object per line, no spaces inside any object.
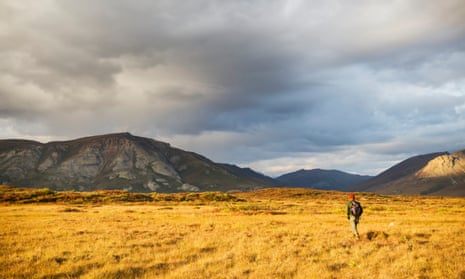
{"x":270,"y":233}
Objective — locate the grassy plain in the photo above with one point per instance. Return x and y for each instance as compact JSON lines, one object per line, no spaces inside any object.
{"x":271,"y":233}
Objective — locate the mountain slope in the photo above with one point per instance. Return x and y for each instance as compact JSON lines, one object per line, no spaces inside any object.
{"x":403,"y":169}
{"x":250,"y":174}
{"x":116,"y":161}
{"x":321,"y":179}
{"x":430,"y":174}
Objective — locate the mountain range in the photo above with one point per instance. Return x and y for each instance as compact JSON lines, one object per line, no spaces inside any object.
{"x":128,"y":162}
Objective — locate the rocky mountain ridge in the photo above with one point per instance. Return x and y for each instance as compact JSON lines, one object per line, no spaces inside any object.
{"x":117,"y":161}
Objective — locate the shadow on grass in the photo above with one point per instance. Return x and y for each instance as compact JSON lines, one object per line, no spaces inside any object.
{"x":371,"y":235}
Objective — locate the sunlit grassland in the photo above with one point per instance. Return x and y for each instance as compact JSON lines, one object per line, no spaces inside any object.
{"x":272,"y":233}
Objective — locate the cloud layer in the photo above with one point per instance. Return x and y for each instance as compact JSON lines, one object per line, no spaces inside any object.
{"x":274,"y":85}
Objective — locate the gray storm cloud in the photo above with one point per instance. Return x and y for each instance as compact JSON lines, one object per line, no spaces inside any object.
{"x":268,"y":84}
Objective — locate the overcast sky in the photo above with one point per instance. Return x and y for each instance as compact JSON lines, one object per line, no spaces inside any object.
{"x":272,"y":85}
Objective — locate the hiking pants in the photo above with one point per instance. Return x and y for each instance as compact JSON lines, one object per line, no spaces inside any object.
{"x":354,"y":222}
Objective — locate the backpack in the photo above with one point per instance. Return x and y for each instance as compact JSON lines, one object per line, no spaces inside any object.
{"x":356,"y":209}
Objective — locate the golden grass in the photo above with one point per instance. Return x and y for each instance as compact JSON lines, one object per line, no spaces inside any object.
{"x":273,"y":233}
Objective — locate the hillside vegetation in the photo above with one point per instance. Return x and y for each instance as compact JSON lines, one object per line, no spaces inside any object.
{"x":270,"y":233}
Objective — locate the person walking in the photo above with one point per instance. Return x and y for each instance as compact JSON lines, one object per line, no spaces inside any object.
{"x":354,"y":211}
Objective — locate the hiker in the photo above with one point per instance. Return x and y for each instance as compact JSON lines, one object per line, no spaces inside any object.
{"x":354,"y":211}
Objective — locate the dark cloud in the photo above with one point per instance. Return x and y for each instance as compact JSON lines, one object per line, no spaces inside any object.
{"x":269,"y":84}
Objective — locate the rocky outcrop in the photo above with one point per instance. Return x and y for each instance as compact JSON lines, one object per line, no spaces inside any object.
{"x":114,"y":161}
{"x":445,"y":165}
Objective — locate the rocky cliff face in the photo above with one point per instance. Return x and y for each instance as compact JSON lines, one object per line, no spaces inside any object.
{"x":446,"y":165}
{"x":114,"y":161}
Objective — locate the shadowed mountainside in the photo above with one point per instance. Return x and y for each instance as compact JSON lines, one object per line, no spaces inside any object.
{"x":321,"y":179}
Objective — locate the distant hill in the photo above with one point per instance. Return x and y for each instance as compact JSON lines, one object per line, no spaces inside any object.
{"x":321,"y":179}
{"x":118,"y":161}
{"x":430,"y":174}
